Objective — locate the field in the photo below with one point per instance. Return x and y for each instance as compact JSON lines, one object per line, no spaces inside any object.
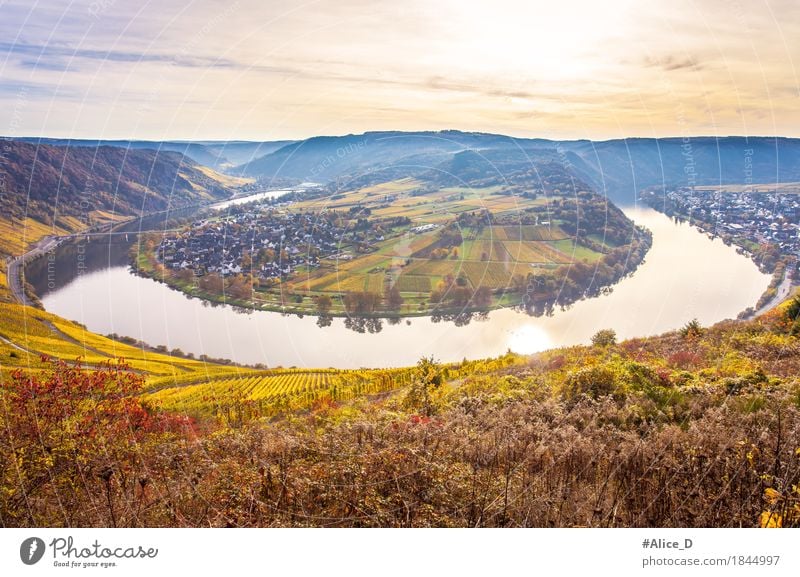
{"x":413,"y":283}
{"x":177,"y":384}
{"x":494,"y":275}
{"x":527,"y":233}
{"x":489,"y":256}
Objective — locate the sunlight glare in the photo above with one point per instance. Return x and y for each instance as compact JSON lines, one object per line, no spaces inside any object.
{"x":529,"y":339}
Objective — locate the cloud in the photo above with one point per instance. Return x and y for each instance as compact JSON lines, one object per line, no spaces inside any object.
{"x":303,"y":66}
{"x":51,"y":55}
{"x":670,"y":63}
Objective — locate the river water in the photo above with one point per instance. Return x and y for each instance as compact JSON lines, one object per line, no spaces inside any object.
{"x":685,"y":275}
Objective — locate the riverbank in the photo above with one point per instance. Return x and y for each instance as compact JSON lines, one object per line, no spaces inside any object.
{"x":748,"y":230}
{"x":685,"y":275}
{"x":569,"y":283}
{"x":783,"y":291}
{"x":16,"y":265}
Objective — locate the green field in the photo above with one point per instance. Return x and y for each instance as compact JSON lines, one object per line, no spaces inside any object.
{"x":488,"y":257}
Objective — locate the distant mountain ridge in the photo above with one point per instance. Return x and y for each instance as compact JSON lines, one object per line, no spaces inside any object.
{"x":619,"y":168}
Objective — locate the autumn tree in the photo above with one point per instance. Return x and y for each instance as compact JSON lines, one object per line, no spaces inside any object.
{"x":393,"y":298}
{"x":425,"y":388}
{"x":361,"y":302}
{"x":240,"y":288}
{"x":185,"y":275}
{"x":73,"y":439}
{"x":323,"y":303}
{"x":691,"y":330}
{"x":604,"y":338}
{"x":212,"y":283}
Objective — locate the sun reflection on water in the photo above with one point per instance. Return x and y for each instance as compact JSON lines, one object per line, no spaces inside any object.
{"x":529,"y":339}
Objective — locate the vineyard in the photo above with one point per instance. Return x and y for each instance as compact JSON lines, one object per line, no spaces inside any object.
{"x":257,"y":394}
{"x":267,"y":393}
{"x":229,"y":394}
{"x":28,"y":333}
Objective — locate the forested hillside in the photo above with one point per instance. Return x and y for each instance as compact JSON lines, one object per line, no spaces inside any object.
{"x":48,"y":183}
{"x":56,"y":190}
{"x":618,"y":168}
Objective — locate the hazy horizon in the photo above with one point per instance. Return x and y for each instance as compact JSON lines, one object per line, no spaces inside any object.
{"x":201,"y":139}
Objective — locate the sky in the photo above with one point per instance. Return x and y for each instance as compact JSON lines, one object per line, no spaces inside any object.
{"x":270,"y":70}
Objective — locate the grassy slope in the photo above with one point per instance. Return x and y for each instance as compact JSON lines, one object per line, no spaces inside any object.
{"x":673,"y":430}
{"x":696,"y":430}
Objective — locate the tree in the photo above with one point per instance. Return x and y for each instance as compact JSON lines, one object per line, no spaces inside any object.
{"x":691,"y":330}
{"x":185,"y":275}
{"x":240,"y":288}
{"x":393,"y":298}
{"x":212,"y":283}
{"x":360,"y":302}
{"x":604,"y":338}
{"x":483,"y":297}
{"x":425,"y":387}
{"x":323,"y":303}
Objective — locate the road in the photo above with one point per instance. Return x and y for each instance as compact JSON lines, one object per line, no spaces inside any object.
{"x":781,"y":294}
{"x":48,"y":243}
{"x":41,"y":248}
{"x":14,"y":272}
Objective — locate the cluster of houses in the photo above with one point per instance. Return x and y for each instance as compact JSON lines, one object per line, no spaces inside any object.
{"x":275,"y":242}
{"x":423,"y":228}
{"x":765,"y":217}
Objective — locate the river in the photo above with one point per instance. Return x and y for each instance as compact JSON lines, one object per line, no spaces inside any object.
{"x":685,"y":275}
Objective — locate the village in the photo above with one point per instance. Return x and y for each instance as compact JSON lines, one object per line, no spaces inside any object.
{"x":759,"y":217}
{"x":271,"y":242}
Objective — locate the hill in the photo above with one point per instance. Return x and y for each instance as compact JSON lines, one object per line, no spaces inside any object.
{"x":57,"y":190}
{"x":695,"y":428}
{"x":619,"y":168}
{"x":625,"y":167}
{"x":51,"y":182}
{"x":217,"y":154}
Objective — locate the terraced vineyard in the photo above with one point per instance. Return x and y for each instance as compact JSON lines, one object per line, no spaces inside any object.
{"x":266,"y":393}
{"x":28,"y":333}
{"x":234,"y":399}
